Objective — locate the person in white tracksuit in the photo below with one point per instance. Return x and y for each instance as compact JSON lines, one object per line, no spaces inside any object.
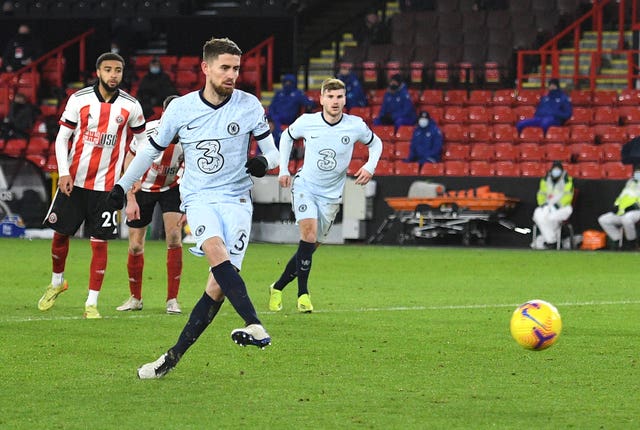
{"x":555,"y":198}
{"x":621,"y":221}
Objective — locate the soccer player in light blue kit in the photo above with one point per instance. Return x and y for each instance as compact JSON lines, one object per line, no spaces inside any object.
{"x":316,"y":190}
{"x":214,"y":126}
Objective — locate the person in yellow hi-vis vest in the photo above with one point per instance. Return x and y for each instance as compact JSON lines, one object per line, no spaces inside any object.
{"x":555,"y":198}
{"x":625,"y":214}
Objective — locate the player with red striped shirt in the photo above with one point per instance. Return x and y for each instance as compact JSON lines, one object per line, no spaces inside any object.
{"x":90,"y":149}
{"x":159,"y":185}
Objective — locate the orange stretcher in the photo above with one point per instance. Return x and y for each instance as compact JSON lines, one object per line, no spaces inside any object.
{"x":475,"y":199}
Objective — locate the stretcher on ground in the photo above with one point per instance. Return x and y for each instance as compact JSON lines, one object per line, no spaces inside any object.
{"x":463,"y":213}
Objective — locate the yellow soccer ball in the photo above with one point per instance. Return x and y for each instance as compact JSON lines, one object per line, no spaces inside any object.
{"x":536,"y":325}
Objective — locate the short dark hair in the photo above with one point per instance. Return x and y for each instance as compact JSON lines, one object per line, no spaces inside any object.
{"x":215,"y":47}
{"x":109,"y":56}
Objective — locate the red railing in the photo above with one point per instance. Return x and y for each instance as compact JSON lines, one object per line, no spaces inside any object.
{"x":12,"y":80}
{"x":549,"y":53}
{"x":257,"y":66}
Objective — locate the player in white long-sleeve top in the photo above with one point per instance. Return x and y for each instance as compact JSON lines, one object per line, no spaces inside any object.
{"x":316,"y":190}
{"x":214,"y":127}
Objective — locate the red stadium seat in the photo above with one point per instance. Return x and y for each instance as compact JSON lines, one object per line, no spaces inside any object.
{"x":38,"y":145}
{"x":388,"y":151}
{"x":432,"y":169}
{"x":360,"y":152}
{"x":455,"y":97}
{"x":611,"y":151}
{"x":533,"y":168}
{"x":481,"y":168}
{"x":455,"y":151}
{"x":605,"y":115}
{"x":531,"y":135}
{"x":580,"y":98}
{"x":456,"y":168}
{"x":613,"y":135}
{"x":189,"y":62}
{"x":522,"y":112}
{"x":586,"y":152}
{"x":632,"y":130}
{"x":384,"y":132}
{"x":503,"y":115}
{"x":506,"y":168}
{"x":15,"y":147}
{"x":454,"y":115}
{"x":478,"y":115}
{"x":580,"y":115}
{"x":375,"y":96}
{"x":384,"y":168}
{"x":482,"y":151}
{"x":629,"y":114}
{"x":590,"y":170}
{"x":505,"y":151}
{"x":402,"y":150}
{"x":629,"y":97}
{"x":505,"y":133}
{"x":404,"y":132}
{"x":479,"y":98}
{"x":531,"y":152}
{"x":503,"y":98}
{"x":431,"y":97}
{"x":355,"y":164}
{"x":528,"y":97}
{"x":479,"y":133}
{"x":38,"y":160}
{"x":557,"y":134}
{"x":454,"y":133}
{"x":406,"y":169}
{"x":557,"y":151}
{"x":604,"y":98}
{"x":616,"y":170}
{"x":582,"y":134}
{"x":186,"y":78}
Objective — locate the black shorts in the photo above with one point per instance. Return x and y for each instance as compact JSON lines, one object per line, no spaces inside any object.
{"x":67,"y":213}
{"x":169,"y":202}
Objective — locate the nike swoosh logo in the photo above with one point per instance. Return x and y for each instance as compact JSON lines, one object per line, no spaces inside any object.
{"x":189,"y":127}
{"x":314,"y":137}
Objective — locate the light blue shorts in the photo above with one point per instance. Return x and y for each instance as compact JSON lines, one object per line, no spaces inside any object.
{"x":307,"y":205}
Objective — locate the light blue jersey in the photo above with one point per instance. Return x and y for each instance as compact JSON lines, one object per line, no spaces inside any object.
{"x":328,"y":150}
{"x":215,"y":141}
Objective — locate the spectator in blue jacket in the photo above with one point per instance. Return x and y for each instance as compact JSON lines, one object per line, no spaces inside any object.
{"x":355,"y":92}
{"x":288,"y":102}
{"x":426,"y":142}
{"x":397,"y":108}
{"x":553,"y":109}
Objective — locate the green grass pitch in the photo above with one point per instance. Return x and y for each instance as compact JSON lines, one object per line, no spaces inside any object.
{"x":406,"y":338}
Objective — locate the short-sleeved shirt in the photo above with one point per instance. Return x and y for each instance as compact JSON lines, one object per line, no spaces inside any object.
{"x":99,"y":144}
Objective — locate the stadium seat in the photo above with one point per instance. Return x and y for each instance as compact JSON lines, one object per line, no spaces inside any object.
{"x":38,"y":159}
{"x":502,"y":115}
{"x":355,"y":164}
{"x":557,"y":134}
{"x":404,"y":132}
{"x":582,"y":134}
{"x":375,"y":96}
{"x":456,"y":168}
{"x":435,"y":112}
{"x":505,"y":151}
{"x":557,"y":151}
{"x":611,"y":151}
{"x":590,"y":170}
{"x":505,"y":133}
{"x":528,"y":97}
{"x":388,"y":151}
{"x":506,"y":168}
{"x":38,"y":145}
{"x":478,"y":115}
{"x":604,"y":98}
{"x":612,"y":135}
{"x":580,"y":98}
{"x":360,"y":152}
{"x":616,"y":170}
{"x":629,"y":97}
{"x":52,"y":163}
{"x":533,"y":168}
{"x":455,"y":151}
{"x":432,"y":169}
{"x":481,"y":168}
{"x":632,"y":130}
{"x":363,"y":112}
{"x":531,"y":135}
{"x":455,"y":97}
{"x":629,"y":115}
{"x":482,"y":151}
{"x":522,"y":112}
{"x":15,"y":147}
{"x":572,"y":169}
{"x":384,"y":132}
{"x":401,"y":150}
{"x":580,"y":115}
{"x":406,"y":169}
{"x":454,"y":133}
{"x":479,"y":132}
{"x":188,"y":62}
{"x":530,"y":152}
{"x":503,"y":98}
{"x":479,"y":98}
{"x":186,"y":78}
{"x":605,"y":115}
{"x":454,"y":115}
{"x":586,"y":152}
{"x":432,"y":97}
{"x":384,"y":168}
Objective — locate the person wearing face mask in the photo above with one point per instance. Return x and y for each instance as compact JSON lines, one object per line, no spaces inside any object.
{"x":21,"y":50}
{"x":622,"y":219}
{"x":154,"y":87}
{"x":426,"y":142}
{"x":553,"y":109}
{"x":355,"y":92}
{"x":397,"y":108}
{"x":289,"y":102}
{"x":555,"y":198}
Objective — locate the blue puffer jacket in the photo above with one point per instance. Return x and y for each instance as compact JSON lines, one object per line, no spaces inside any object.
{"x":288,"y":102}
{"x":399,"y":106}
{"x":556,"y":104}
{"x":355,"y":92}
{"x":426,"y":144}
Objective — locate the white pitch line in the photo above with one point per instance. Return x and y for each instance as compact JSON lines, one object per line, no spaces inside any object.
{"x":330,"y":311}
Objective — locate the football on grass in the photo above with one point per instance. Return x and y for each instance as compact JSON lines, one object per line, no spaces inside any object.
{"x":536,"y":325}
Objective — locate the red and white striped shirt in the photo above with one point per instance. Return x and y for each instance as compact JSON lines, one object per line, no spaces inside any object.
{"x":99,"y":144}
{"x":166,"y":169}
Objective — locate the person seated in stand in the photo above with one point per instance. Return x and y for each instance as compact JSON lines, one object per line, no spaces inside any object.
{"x":20,"y":119}
{"x":355,"y":92}
{"x":553,"y":109}
{"x":154,"y":88}
{"x":288,"y":102}
{"x":555,"y":198}
{"x":621,"y":222}
{"x":397,"y":108}
{"x":21,"y":50}
{"x":426,"y":142}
